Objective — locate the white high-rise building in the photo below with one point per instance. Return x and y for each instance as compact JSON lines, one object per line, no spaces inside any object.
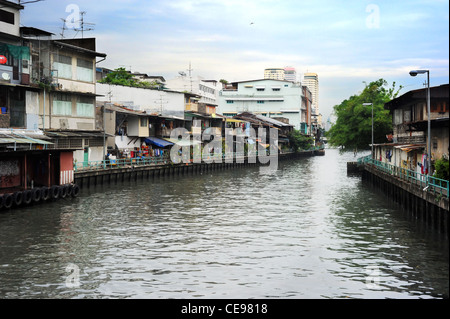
{"x":274,"y":74}
{"x":290,"y":74}
{"x":311,"y":80}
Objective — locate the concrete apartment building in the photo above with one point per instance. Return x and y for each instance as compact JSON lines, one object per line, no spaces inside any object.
{"x":274,"y":74}
{"x":311,"y":80}
{"x":284,"y":74}
{"x":207,"y":90}
{"x":290,"y":74}
{"x":267,"y":97}
{"x":48,"y":86}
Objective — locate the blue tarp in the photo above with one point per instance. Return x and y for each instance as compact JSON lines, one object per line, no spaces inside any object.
{"x":157,"y":141}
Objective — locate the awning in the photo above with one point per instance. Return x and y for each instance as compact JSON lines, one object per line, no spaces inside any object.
{"x":234,"y":120}
{"x":409,"y":148}
{"x":11,"y":140}
{"x":157,"y":141}
{"x":183,"y":142}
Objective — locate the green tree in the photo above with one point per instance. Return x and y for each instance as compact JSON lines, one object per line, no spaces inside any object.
{"x":442,"y":169}
{"x":300,"y":141}
{"x":121,"y":76}
{"x":353,"y":127}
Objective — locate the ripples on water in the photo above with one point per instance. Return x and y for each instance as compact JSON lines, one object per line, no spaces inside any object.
{"x":306,"y":231}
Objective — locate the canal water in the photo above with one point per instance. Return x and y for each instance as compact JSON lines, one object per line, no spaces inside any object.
{"x":306,"y":231}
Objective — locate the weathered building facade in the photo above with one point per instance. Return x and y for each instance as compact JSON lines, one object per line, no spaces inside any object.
{"x":267,"y":97}
{"x":409,"y":139}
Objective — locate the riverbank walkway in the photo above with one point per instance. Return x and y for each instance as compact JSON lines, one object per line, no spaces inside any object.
{"x":431,"y":184}
{"x":91,"y":173}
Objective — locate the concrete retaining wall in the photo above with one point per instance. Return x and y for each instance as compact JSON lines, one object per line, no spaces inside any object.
{"x":432,"y":209}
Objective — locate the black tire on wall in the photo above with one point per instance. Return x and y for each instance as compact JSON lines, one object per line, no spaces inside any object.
{"x":37,"y":194}
{"x":75,"y":190}
{"x":62,"y":191}
{"x":69,"y":189}
{"x":27,"y":197}
{"x":18,"y":198}
{"x":45,"y":193}
{"x":54,"y":192}
{"x":8,"y":201}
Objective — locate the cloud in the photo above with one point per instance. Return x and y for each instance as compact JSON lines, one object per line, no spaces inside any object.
{"x":328,"y":37}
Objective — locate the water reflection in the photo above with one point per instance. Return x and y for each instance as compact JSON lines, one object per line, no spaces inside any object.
{"x":307,"y":231}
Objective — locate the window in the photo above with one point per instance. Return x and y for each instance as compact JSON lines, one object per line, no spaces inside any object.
{"x":398,"y":116}
{"x":276,"y":89}
{"x":260,"y":89}
{"x":143,"y":122}
{"x":85,"y":106}
{"x":439,"y":106}
{"x":407,"y":116}
{"x":9,"y":59}
{"x":85,"y":70}
{"x":260,"y":102}
{"x":6,"y":16}
{"x":62,"y":104}
{"x":63,"y":64}
{"x":230,"y":101}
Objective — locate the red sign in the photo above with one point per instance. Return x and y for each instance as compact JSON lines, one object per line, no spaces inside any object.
{"x":3,"y":59}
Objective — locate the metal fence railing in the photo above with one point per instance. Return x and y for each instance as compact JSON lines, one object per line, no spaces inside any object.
{"x":148,"y":161}
{"x":433,"y":184}
{"x":162,"y":160}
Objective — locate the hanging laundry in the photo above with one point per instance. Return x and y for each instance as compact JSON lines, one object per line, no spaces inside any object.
{"x":425,"y":164}
{"x":389,"y":155}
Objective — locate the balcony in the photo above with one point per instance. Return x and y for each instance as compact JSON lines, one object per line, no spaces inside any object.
{"x":191,"y":107}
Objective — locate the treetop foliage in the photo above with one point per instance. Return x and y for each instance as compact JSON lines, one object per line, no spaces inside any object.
{"x":353,"y":127}
{"x":122,"y":77}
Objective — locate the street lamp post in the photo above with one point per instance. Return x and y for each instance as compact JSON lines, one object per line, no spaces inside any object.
{"x":366,"y":104}
{"x":414,"y":73}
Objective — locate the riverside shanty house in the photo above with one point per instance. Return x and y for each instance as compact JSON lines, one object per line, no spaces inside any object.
{"x":144,"y":118}
{"x":30,"y":172}
{"x":141,"y":119}
{"x":67,"y":103}
{"x":408,"y":141}
{"x":135,"y":134}
{"x":259,"y":121}
{"x":49,"y":85}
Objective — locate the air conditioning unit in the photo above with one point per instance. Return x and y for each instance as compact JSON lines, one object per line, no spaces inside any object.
{"x":6,"y":77}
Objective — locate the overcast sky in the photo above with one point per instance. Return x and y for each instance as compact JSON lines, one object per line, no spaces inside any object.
{"x":344,"y":42}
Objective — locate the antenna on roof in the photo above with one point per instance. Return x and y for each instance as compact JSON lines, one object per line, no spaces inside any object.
{"x":31,"y":1}
{"x":190,"y":74}
{"x":63,"y":28}
{"x":82,"y":25}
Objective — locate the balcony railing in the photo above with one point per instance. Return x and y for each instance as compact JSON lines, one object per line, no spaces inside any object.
{"x":191,"y":107}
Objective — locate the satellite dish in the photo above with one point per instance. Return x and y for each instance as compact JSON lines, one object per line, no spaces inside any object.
{"x":182,"y":73}
{"x":6,"y":76}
